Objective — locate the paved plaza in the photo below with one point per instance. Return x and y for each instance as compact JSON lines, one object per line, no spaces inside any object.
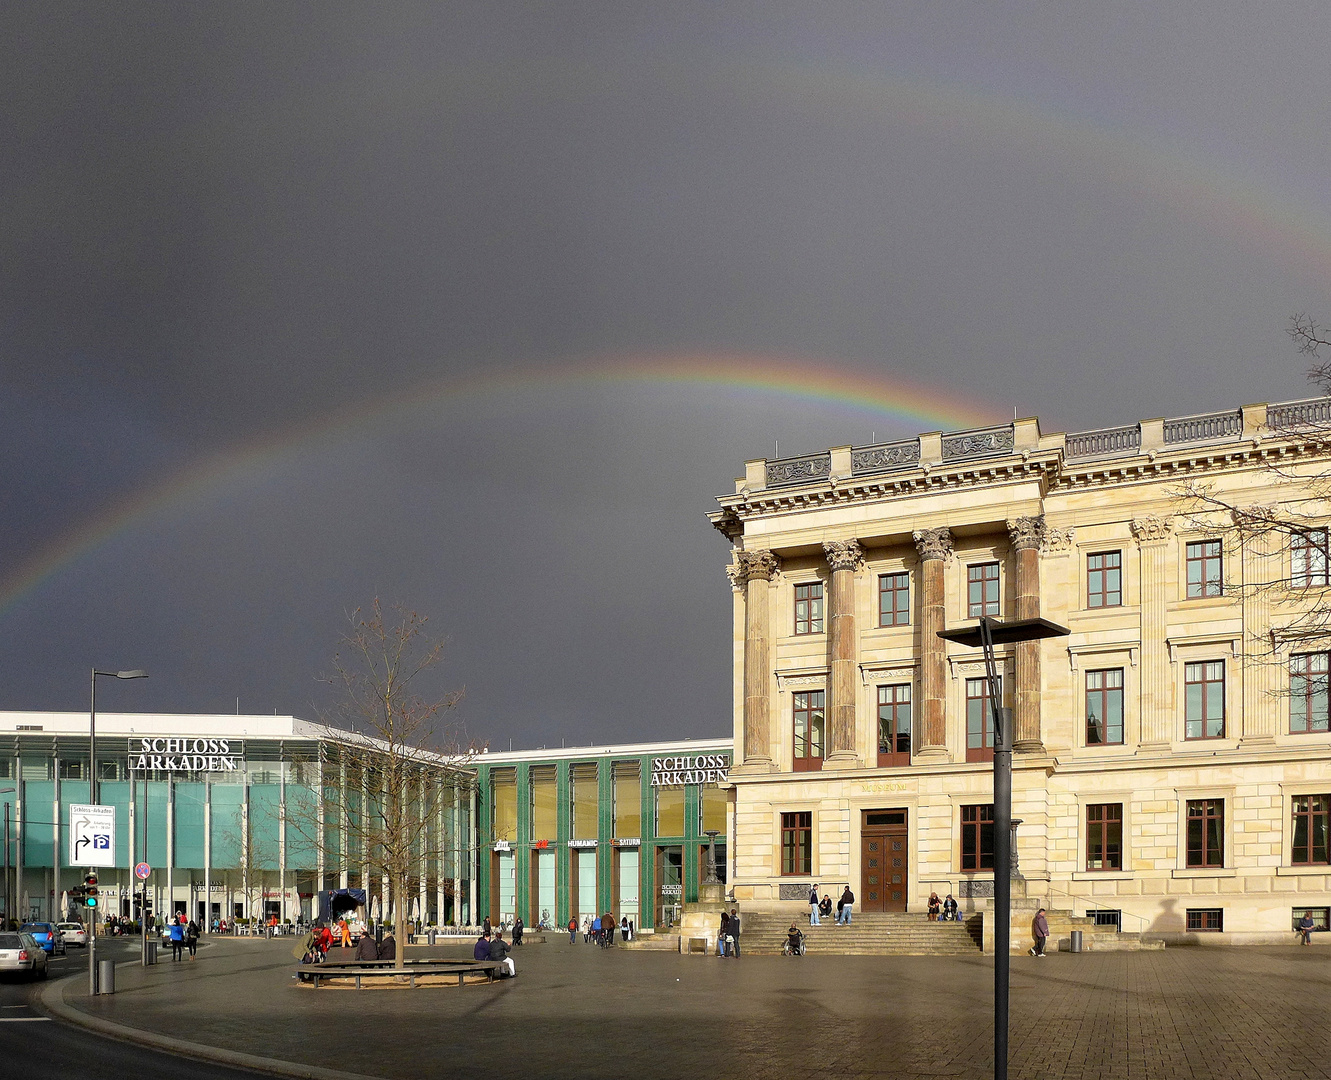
{"x":578,"y":1011}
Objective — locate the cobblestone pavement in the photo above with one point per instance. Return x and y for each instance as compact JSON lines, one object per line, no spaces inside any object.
{"x":577,"y":1011}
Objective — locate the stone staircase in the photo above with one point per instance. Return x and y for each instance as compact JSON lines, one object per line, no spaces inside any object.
{"x":870,"y":934}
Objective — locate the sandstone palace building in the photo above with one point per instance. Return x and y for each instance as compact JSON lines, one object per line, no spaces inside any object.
{"x":1172,"y":765}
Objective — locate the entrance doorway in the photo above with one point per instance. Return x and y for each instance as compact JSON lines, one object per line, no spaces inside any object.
{"x":884,"y":861}
{"x":669,"y":885}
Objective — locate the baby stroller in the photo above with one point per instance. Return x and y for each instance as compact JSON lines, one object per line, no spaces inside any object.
{"x":794,"y":943}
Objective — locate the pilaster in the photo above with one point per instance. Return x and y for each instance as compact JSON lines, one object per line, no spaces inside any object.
{"x":935,"y":548}
{"x":1154,"y":535}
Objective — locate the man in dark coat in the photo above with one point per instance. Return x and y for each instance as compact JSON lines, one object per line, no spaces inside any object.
{"x":733,"y":931}
{"x":367,"y":948}
{"x":517,"y":931}
{"x":482,"y":949}
{"x":388,"y":947}
{"x":499,"y":954}
{"x":1040,"y":927}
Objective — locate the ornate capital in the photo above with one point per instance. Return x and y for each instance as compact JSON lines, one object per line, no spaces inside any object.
{"x":843,"y":554}
{"x":934,"y":543}
{"x":752,"y":566}
{"x":1057,"y":539}
{"x":1152,"y":527}
{"x":1027,"y":533}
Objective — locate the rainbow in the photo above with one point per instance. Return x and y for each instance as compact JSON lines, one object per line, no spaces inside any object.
{"x":900,"y":404}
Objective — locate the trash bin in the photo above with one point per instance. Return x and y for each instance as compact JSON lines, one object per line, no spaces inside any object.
{"x":152,"y":951}
{"x":106,"y":976}
{"x":1076,"y":941}
{"x":432,"y":934}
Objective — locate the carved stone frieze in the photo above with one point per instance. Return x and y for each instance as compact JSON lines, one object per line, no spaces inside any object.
{"x":896,"y":456}
{"x":978,"y":444}
{"x":934,"y":543}
{"x":793,"y":470}
{"x":1056,"y":540}
{"x":1027,"y":533}
{"x":1152,"y":527}
{"x":843,"y":554}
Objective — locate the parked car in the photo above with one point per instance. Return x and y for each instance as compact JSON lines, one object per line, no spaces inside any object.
{"x":74,"y":933}
{"x":20,"y":952}
{"x":46,"y":935}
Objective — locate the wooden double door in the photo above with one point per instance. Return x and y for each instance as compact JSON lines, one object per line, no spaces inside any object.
{"x":884,"y":860}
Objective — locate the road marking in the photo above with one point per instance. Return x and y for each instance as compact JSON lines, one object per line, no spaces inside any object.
{"x":21,"y":1019}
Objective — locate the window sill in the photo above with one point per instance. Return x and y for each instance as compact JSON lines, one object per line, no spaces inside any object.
{"x":1102,"y":875}
{"x":1204,"y":872}
{"x":1303,"y":871}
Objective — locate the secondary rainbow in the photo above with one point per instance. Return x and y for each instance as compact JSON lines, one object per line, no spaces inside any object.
{"x":904,"y":408}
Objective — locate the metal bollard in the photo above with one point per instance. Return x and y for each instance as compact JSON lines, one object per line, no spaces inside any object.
{"x":152,"y":952}
{"x":432,"y":934}
{"x":1076,"y":941}
{"x":106,"y":976}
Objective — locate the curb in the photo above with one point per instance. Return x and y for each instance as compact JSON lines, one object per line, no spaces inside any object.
{"x":51,"y":1001}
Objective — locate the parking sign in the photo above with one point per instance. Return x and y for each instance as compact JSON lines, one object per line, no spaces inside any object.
{"x":92,"y":835}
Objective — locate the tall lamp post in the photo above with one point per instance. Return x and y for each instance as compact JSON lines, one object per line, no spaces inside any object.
{"x":138,"y":673}
{"x":9,"y":911}
{"x":986,"y":635}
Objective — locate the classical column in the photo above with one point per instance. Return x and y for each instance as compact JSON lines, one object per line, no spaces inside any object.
{"x":935,"y":547}
{"x":844,"y":557}
{"x":1156,"y":711}
{"x":753,"y":570}
{"x":1027,"y":535}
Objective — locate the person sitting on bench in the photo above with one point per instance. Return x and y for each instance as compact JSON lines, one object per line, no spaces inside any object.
{"x":367,"y":948}
{"x":482,"y":949}
{"x":499,"y":954}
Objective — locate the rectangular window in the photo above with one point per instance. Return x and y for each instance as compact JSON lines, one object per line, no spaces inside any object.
{"x":893,"y":599}
{"x":980,"y":720}
{"x":1312,"y":822}
{"x":1321,"y":917}
{"x":504,"y":810}
{"x":797,"y":844}
{"x":809,"y":608}
{"x":1204,"y":698}
{"x":809,"y":727}
{"x":1307,"y":693}
{"x":712,"y":811}
{"x":586,"y":800}
{"x":1104,"y":579}
{"x":1204,"y":572}
{"x":544,"y":803}
{"x":1104,"y":836}
{"x":894,"y":725}
{"x":1104,"y":707}
{"x":669,"y":811}
{"x":1209,"y":918}
{"x":977,"y":837}
{"x":1308,"y":559}
{"x":982,"y":590}
{"x":627,"y":777}
{"x":1206,"y":832}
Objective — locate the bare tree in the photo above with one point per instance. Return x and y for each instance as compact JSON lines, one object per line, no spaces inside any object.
{"x":1282,"y":533}
{"x":388,"y":778}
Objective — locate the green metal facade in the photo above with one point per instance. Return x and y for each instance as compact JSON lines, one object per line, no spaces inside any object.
{"x":525,"y":844}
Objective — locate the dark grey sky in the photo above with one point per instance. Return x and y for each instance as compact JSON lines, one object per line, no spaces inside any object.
{"x":223,"y":225}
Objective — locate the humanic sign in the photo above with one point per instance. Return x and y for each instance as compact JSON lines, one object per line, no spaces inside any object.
{"x":177,"y":753}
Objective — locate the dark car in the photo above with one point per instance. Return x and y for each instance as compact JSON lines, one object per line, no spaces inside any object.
{"x":46,"y":935}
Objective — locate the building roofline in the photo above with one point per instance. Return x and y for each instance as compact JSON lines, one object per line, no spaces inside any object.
{"x":559,"y":753}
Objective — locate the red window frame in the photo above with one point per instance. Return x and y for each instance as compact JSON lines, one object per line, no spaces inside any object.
{"x":1203,"y":708}
{"x":808,"y":709}
{"x":1309,"y":701}
{"x":894,"y":724}
{"x":797,"y":844}
{"x":980,"y":719}
{"x":983,"y":576}
{"x":809,"y":608}
{"x":1102,"y":568}
{"x":977,"y":835}
{"x":1311,"y":830}
{"x":1099,"y":731}
{"x":894,"y":599}
{"x":1206,"y":833}
{"x":1308,"y":559}
{"x":1205,"y":569}
{"x":1104,"y":836}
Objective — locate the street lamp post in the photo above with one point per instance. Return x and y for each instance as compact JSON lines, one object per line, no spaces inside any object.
{"x":988,"y":633}
{"x":138,"y":673}
{"x":9,"y":911}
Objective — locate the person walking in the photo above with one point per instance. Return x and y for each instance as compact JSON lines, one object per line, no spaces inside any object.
{"x":177,"y":934}
{"x":608,"y":926}
{"x":813,"y":905}
{"x":734,"y":932}
{"x":1041,"y":928}
{"x":722,"y":933}
{"x":192,"y":939}
{"x":935,"y":906}
{"x":586,"y":929}
{"x":573,"y":930}
{"x":1306,"y":927}
{"x":844,"y":906}
{"x":517,"y":930}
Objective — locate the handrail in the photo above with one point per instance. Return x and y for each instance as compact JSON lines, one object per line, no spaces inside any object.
{"x":1094,"y":903}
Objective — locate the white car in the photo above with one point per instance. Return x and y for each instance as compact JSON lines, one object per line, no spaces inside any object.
{"x":73,"y":933}
{"x":20,"y":952}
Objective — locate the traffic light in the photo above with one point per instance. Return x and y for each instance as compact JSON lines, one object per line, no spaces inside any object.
{"x":90,"y":889}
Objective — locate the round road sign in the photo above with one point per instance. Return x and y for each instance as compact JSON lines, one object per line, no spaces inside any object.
{"x":142,"y":871}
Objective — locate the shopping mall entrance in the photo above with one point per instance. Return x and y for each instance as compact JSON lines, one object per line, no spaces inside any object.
{"x":884,"y":861}
{"x":669,"y":885}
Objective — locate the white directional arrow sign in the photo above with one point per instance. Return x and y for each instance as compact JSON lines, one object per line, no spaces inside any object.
{"x":92,"y":835}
